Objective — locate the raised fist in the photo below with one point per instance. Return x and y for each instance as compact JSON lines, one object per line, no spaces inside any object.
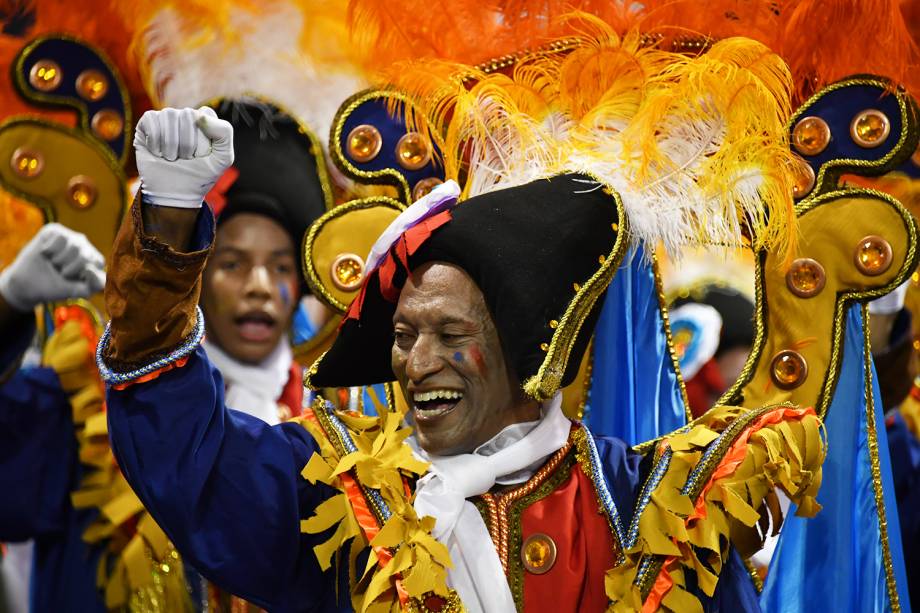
{"x":57,"y":264}
{"x":181,"y":153}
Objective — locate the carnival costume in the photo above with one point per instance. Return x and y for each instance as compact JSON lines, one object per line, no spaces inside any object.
{"x":543,"y":220}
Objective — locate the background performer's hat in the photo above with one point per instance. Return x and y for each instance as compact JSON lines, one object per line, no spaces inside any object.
{"x":278,"y":169}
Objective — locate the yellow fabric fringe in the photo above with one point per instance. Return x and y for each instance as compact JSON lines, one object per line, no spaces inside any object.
{"x":417,"y":563}
{"x":786,"y":454}
{"x":758,"y":451}
{"x":140,"y":569}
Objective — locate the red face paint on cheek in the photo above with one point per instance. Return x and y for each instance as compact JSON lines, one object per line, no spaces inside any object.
{"x":478,"y":359}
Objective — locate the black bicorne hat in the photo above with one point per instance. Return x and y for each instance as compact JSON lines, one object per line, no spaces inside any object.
{"x":278,"y":169}
{"x":543,"y":255}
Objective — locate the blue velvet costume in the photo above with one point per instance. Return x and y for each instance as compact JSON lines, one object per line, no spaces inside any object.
{"x":39,"y":468}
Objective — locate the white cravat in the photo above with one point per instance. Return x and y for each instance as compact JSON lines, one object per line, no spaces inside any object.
{"x":511,"y":456}
{"x":254,"y":388}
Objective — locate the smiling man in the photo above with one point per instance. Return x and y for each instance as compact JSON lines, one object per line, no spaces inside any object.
{"x":482,"y":312}
{"x":448,"y":359}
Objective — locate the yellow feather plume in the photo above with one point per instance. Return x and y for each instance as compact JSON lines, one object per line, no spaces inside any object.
{"x":696,"y":147}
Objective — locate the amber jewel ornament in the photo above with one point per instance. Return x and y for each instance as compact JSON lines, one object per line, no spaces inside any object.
{"x":538,"y":553}
{"x":870,"y":128}
{"x":364,"y":143}
{"x":45,"y":75}
{"x":27,"y":163}
{"x":788,"y":369}
{"x":873,"y":255}
{"x":803,"y":178}
{"x":805,"y":278}
{"x":424,"y":187}
{"x":347,"y":271}
{"x":81,"y":192}
{"x":92,"y":85}
{"x":107,"y":124}
{"x":811,"y":135}
{"x":413,"y":151}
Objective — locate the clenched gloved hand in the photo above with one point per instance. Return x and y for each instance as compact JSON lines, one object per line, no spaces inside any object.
{"x":180,"y":154}
{"x":57,"y":264}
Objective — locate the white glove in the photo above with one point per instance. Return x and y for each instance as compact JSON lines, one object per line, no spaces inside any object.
{"x":181,"y":154}
{"x":56,"y":264}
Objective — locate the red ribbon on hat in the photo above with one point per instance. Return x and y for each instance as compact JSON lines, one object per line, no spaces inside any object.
{"x":406,"y":245}
{"x":217,"y":197}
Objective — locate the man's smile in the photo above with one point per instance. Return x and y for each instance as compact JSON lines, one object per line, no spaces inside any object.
{"x":431,"y":405}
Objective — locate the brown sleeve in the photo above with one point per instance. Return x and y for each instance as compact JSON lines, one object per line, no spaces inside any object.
{"x":151,"y":292}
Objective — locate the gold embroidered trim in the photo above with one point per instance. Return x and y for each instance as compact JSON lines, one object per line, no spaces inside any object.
{"x":500,"y":504}
{"x":872,"y":440}
{"x":735,"y":395}
{"x":386,"y":176}
{"x":754,"y":574}
{"x":106,"y":154}
{"x":666,"y":323}
{"x":515,"y":571}
{"x":85,"y":133}
{"x":583,"y":456}
{"x":502,"y":513}
{"x":830,"y":171}
{"x":548,"y":378}
{"x":313,"y":278}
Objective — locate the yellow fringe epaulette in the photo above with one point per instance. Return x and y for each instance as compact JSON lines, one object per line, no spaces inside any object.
{"x":709,"y":489}
{"x":139,"y":569}
{"x":367,"y":461}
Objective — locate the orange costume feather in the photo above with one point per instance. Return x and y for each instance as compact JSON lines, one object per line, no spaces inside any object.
{"x":814,"y":37}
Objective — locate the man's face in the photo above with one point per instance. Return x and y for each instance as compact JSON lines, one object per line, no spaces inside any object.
{"x":250,"y":287}
{"x":449,"y":361}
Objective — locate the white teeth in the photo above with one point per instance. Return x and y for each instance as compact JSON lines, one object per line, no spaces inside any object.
{"x":437,"y":394}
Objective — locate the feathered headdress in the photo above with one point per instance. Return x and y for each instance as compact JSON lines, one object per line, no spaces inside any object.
{"x":696,"y":147}
{"x":814,"y":37}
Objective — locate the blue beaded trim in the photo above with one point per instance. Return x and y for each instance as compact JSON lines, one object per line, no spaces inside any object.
{"x":186,"y":348}
{"x":350,"y":447}
{"x":603,"y":492}
{"x":661,"y":467}
{"x":716,"y":446}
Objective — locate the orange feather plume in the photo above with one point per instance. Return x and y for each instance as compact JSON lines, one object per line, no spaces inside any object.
{"x":696,"y":147}
{"x":819,"y":43}
{"x":19,"y":222}
{"x":814,"y":37}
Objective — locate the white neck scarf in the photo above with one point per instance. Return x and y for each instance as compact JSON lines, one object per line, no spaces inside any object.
{"x":510,"y":457}
{"x":254,"y":388}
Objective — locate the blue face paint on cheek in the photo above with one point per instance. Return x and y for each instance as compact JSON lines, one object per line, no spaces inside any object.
{"x":458,"y":357}
{"x":285,"y":293}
